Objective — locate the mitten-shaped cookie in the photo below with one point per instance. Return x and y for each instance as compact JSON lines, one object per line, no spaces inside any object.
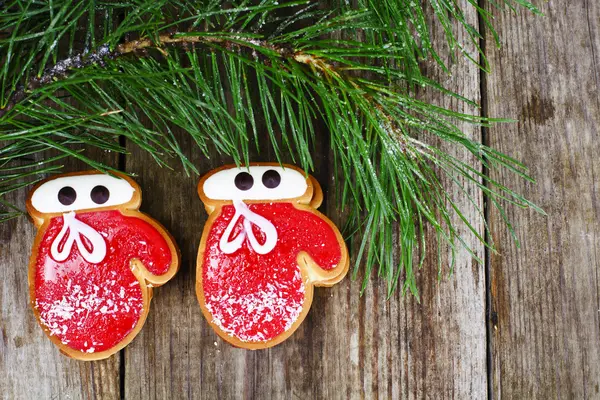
{"x":94,"y":262}
{"x":263,"y":249}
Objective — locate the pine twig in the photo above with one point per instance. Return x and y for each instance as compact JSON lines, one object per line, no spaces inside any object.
{"x":61,"y":68}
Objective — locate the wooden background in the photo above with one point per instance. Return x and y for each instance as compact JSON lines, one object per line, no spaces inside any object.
{"x":524,"y":325}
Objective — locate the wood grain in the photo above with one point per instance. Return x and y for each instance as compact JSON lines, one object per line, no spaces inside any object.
{"x":545,"y":296}
{"x":30,"y":365}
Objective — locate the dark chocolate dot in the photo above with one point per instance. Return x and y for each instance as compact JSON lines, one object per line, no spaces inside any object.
{"x":67,"y":196}
{"x":100,"y":194}
{"x":271,"y":179}
{"x":244,"y":181}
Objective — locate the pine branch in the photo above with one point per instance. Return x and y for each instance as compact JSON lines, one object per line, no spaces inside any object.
{"x":80,"y":61}
{"x":190,"y":65}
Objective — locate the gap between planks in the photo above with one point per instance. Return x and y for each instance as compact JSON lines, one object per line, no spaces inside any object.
{"x":483,"y":93}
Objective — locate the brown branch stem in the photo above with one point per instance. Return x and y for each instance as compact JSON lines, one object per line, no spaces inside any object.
{"x":63,"y":67}
{"x":227,"y":42}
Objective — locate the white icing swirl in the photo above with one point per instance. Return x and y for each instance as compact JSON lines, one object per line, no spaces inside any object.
{"x":76,"y":229}
{"x":241,"y":209}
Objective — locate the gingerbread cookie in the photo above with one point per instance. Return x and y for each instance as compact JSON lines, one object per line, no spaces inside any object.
{"x":263,"y":249}
{"x":94,"y":262}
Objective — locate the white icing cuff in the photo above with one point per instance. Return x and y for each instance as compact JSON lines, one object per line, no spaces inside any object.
{"x":221,"y":185}
{"x":45,"y":198}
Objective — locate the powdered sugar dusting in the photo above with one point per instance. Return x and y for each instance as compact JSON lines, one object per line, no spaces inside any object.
{"x":248,"y":316}
{"x":84,"y":306}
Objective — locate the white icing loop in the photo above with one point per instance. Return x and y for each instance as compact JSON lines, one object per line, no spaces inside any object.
{"x":77,"y":229}
{"x":241,"y":209}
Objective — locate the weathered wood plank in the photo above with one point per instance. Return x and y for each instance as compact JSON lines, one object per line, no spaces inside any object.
{"x":401,"y":348}
{"x":445,"y":336}
{"x":168,"y":358}
{"x":545,"y":321}
{"x":30,"y":365}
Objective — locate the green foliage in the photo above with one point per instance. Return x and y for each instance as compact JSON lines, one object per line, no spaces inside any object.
{"x":77,"y":74}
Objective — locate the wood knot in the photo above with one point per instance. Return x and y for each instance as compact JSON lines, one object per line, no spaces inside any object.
{"x":538,"y":110}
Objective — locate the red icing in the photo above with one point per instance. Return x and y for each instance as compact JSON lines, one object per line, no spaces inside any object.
{"x":92,"y":307}
{"x":257,"y":297}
